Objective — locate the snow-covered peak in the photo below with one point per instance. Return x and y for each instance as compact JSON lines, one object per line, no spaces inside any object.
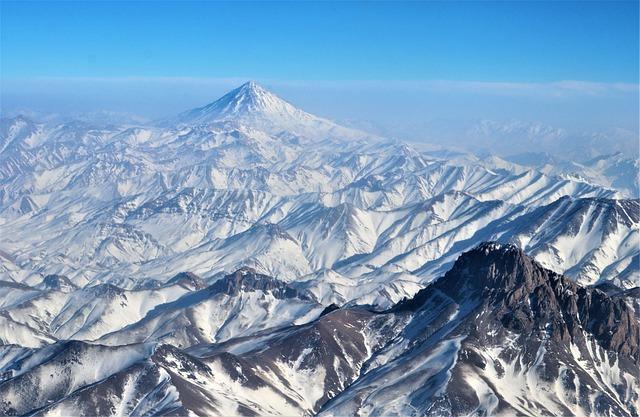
{"x":249,"y":101}
{"x":254,"y":107}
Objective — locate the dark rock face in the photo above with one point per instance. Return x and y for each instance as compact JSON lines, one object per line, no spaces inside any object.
{"x":525,"y":297}
{"x":541,"y":323}
{"x":332,"y":347}
{"x":106,"y":291}
{"x":334,"y":343}
{"x":329,"y":309}
{"x":188,"y":280}
{"x":57,"y":282}
{"x":609,"y":319}
{"x":632,"y":293}
{"x":247,"y":279}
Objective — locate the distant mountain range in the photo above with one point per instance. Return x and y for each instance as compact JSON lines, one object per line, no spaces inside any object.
{"x":515,"y":139}
{"x":247,"y":257}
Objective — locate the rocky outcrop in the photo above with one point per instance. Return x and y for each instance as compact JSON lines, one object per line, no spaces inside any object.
{"x":527,"y":298}
{"x":188,"y":280}
{"x":247,"y":279}
{"x":57,"y":282}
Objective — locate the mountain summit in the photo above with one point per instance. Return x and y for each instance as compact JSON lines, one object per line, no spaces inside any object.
{"x":252,"y":105}
{"x":248,"y":100}
{"x":249,"y":103}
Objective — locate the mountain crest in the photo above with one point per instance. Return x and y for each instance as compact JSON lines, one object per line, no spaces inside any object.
{"x":249,"y":97}
{"x":246,"y":279}
{"x":249,"y":101}
{"x":503,"y":283}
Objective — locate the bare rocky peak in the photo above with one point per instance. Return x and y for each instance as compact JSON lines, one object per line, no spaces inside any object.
{"x":57,"y":282}
{"x":507,"y":284}
{"x":248,"y":280}
{"x":188,"y":280}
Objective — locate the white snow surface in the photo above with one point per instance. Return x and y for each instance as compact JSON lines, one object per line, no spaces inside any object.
{"x":251,"y":181}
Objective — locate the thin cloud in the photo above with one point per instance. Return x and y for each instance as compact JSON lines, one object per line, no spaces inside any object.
{"x":550,"y":89}
{"x":564,"y":88}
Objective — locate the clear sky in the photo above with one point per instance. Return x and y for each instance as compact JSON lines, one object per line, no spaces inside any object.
{"x":153,"y":57}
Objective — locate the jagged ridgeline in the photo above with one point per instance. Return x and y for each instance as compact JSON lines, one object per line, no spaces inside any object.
{"x":498,"y":334}
{"x":249,"y":258}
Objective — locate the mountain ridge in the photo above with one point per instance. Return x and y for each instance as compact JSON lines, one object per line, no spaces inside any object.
{"x":431,"y":351}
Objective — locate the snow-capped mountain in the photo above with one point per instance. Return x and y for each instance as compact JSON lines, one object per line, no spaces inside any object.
{"x":498,"y":334}
{"x":252,"y":105}
{"x":192,"y":255}
{"x":249,"y":180}
{"x":615,"y":170}
{"x":248,"y":100}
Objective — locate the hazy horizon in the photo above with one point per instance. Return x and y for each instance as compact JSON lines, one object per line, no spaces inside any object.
{"x":431,"y":113}
{"x":502,"y":62}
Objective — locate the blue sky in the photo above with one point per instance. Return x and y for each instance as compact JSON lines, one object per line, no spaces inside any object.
{"x":491,"y":56}
{"x":508,"y":41}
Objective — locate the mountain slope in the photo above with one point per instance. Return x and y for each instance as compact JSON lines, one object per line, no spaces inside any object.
{"x":121,"y":204}
{"x":252,"y":105}
{"x":498,"y":335}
